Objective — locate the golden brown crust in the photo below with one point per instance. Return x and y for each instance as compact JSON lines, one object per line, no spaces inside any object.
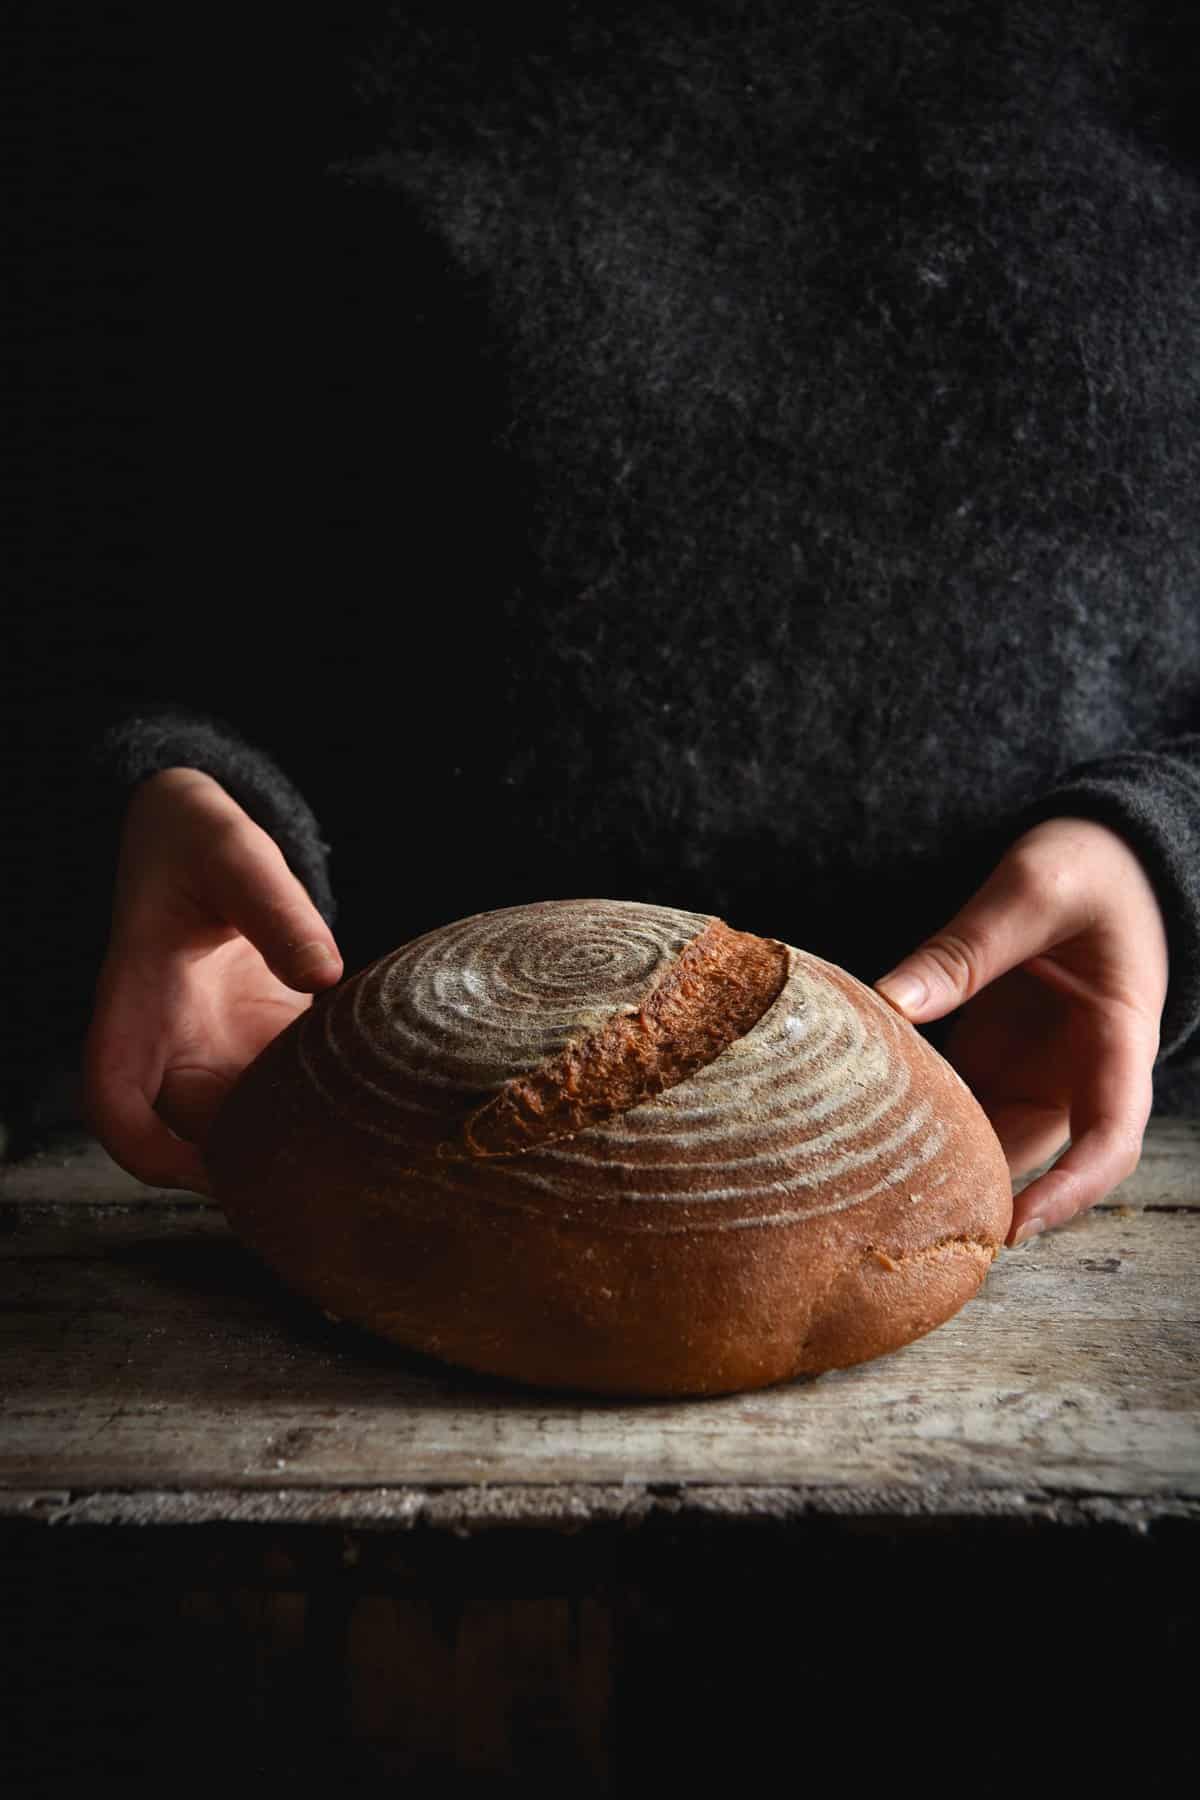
{"x":822,"y":1191}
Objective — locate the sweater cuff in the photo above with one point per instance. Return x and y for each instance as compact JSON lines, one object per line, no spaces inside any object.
{"x":1152,"y":798}
{"x":147,"y":742}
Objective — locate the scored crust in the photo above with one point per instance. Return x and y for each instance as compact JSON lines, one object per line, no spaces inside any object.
{"x":718,"y":987}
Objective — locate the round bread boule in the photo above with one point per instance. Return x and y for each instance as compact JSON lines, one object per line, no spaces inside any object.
{"x":612,"y":1147}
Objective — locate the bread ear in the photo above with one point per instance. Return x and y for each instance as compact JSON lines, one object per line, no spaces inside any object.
{"x":712,"y":993}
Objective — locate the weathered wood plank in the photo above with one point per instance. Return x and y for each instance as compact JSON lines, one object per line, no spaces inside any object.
{"x":1169,"y":1172}
{"x":486,"y":1507}
{"x":141,"y":1349}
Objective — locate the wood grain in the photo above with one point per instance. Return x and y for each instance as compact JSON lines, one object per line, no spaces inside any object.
{"x":143,"y":1352}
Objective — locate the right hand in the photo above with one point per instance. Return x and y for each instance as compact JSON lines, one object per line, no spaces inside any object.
{"x":208,"y":959}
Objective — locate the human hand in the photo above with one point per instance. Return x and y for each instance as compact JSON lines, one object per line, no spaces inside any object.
{"x":1061,"y":961}
{"x":210,"y":955}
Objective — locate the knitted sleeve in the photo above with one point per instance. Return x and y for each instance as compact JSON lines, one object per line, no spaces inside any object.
{"x":153,"y":739}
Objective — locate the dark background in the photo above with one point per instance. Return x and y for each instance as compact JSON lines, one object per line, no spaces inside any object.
{"x":202,"y":353}
{"x":171,"y":270}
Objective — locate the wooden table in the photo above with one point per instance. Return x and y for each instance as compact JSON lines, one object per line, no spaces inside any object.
{"x":218,"y":1505}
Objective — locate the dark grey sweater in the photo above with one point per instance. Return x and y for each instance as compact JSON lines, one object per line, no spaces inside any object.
{"x":741,"y":456}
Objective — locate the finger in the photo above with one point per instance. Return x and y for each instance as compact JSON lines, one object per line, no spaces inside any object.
{"x":1108,"y":1122}
{"x":118,"y":1110}
{"x":1019,"y":912}
{"x":250,"y":884}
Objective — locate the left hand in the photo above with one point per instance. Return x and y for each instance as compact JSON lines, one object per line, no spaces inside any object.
{"x":1060,"y":965}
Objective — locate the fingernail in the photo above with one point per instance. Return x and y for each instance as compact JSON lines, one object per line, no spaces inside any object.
{"x":906,"y":992}
{"x":314,"y":962}
{"x":1028,"y":1230}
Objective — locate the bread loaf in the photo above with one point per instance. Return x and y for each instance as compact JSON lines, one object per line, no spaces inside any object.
{"x":612,"y":1147}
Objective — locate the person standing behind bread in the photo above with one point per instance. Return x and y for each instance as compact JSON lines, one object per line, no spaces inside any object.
{"x":852,"y":589}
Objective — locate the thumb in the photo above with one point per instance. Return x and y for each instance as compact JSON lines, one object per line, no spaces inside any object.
{"x":1004,"y":925}
{"x":253,"y":888}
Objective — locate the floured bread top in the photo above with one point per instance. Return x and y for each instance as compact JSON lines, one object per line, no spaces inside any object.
{"x":640,"y":1057}
{"x":496,"y":995}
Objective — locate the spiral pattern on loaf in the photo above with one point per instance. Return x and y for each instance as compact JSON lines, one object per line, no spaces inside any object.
{"x":810,"y":1112}
{"x":467,"y":1007}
